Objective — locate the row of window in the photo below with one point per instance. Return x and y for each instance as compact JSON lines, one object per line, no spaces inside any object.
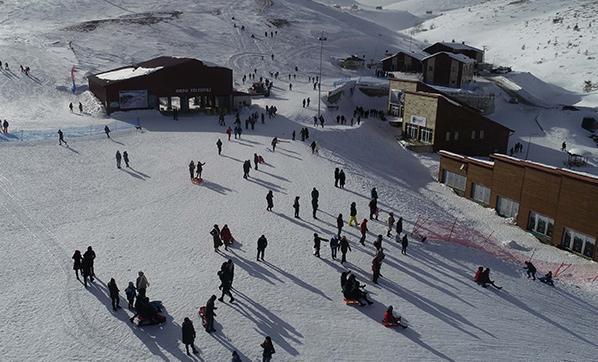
{"x":455,"y":135}
{"x":537,"y":223}
{"x":422,"y":134}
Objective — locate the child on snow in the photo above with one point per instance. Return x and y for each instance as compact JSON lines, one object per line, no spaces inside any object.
{"x":389,"y":318}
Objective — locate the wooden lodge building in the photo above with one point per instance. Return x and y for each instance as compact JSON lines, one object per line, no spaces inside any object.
{"x":558,"y":206}
{"x":448,"y":70}
{"x":404,"y":61}
{"x":477,"y":55}
{"x":166,"y":83}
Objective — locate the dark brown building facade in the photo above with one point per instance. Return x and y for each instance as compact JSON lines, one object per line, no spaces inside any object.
{"x":169,"y":82}
{"x":404,"y":61}
{"x":457,"y":48}
{"x":448,"y":70}
{"x":558,"y":206}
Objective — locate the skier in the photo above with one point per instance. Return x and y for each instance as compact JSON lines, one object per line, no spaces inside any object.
{"x":341,"y":179}
{"x":373,"y":209}
{"x":339,"y":224}
{"x":219,"y":145}
{"x":141,"y":284}
{"x":61,"y":138}
{"x":107,"y":131}
{"x":378,"y":242}
{"x":317,"y":243}
{"x":531,"y":270}
{"x":274,"y":142}
{"x":246,"y":168}
{"x":336,"y":176}
{"x":90,"y":255}
{"x":131,"y":293}
{"x":404,"y":244}
{"x":399,"y":226}
{"x":313,"y":147}
{"x":126,"y":158}
{"x":216,"y":238}
{"x":296,"y":207}
{"x":191,"y":169}
{"x":209,"y":316}
{"x":199,"y":169}
{"x":229,"y":131}
{"x":363,"y":228}
{"x":353,"y":215}
{"x":391,"y":223}
{"x":268,"y":349}
{"x":333,"y":246}
{"x":118,"y":158}
{"x":270,"y":200}
{"x":315,"y":194}
{"x":262,"y":243}
{"x":547,"y":279}
{"x":77,"y":262}
{"x":344,"y":246}
{"x":188,"y":335}
{"x":114,"y":297}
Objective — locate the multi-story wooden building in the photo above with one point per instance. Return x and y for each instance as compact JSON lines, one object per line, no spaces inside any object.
{"x":404,"y":61}
{"x":557,"y":205}
{"x":448,"y":69}
{"x":475,"y":54}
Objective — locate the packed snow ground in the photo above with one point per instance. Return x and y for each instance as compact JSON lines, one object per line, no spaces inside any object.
{"x":54,"y":200}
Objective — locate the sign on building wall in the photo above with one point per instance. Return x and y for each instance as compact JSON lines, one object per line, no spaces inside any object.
{"x":193,"y":90}
{"x":418,"y":121}
{"x":132,"y":99}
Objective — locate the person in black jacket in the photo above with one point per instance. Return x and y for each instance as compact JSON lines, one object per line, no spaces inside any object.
{"x":77,"y":262}
{"x":219,"y":145}
{"x":296,"y":207}
{"x":341,"y":179}
{"x":192,"y":169}
{"x":107,"y":131}
{"x":210,"y":308}
{"x":216,"y":237}
{"x":400,"y":226}
{"x":344,"y":246}
{"x":113,"y":289}
{"x":246,"y":168}
{"x":339,"y":224}
{"x":262,"y":243}
{"x":256,"y":160}
{"x":118,"y":158}
{"x":126,"y":158}
{"x":404,"y":244}
{"x":317,"y":243}
{"x":268,"y":349}
{"x":374,"y":193}
{"x":188,"y":335}
{"x":86,"y":270}
{"x":531,"y":270}
{"x":336,"y":176}
{"x":315,"y":195}
{"x":353,"y":215}
{"x":270,"y":200}
{"x":373,"y":209}
{"x":91,"y":255}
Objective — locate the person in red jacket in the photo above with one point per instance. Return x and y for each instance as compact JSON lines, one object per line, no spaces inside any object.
{"x":389,"y":317}
{"x":364,"y":229}
{"x":229,"y":131}
{"x":478,"y":275}
{"x":226,"y":237}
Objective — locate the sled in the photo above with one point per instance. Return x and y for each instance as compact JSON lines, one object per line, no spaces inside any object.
{"x":402,"y":324}
{"x":157,"y":318}
{"x":350,"y":301}
{"x":197,"y":180}
{"x":202,"y":315}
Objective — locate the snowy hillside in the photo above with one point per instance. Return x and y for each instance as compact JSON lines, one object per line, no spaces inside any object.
{"x":150,"y":217}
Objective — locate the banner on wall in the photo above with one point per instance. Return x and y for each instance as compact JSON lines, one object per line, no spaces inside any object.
{"x":132,"y":99}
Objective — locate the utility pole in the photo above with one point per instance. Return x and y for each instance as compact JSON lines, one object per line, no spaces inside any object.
{"x":321,"y":39}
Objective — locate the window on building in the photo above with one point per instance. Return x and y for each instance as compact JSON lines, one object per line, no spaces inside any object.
{"x":506,"y":207}
{"x":456,"y":136}
{"x":578,"y":242}
{"x":473,"y":135}
{"x":480,"y":194}
{"x":540,"y":224}
{"x":481,"y":134}
{"x":411,"y":130}
{"x":426,"y":134}
{"x":454,"y":180}
{"x":448,"y":136}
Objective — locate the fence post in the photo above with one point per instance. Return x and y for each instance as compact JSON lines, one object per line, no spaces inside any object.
{"x":489,"y":236}
{"x":451,"y":232}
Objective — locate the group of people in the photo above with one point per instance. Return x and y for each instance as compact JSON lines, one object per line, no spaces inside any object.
{"x":84,"y":264}
{"x":80,"y":107}
{"x":531,"y":273}
{"x":123,"y":157}
{"x":195,"y":169}
{"x":352,"y":289}
{"x":221,"y":237}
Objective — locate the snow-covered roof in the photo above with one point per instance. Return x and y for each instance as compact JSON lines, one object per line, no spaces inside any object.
{"x":458,"y":57}
{"x":417,"y":54}
{"x":127,"y":73}
{"x":457,"y":46}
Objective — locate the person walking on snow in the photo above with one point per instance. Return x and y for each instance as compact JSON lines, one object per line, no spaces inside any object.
{"x":199,"y":168}
{"x":391,"y":223}
{"x":363,"y":228}
{"x":114,"y":297}
{"x":333,"y":246}
{"x":226,"y":236}
{"x":141,"y":283}
{"x":86,"y":270}
{"x":77,"y":262}
{"x":188,"y":336}
{"x":274,"y":142}
{"x":246,"y":168}
{"x":91,"y":256}
{"x":308,"y":101}
{"x":216,"y":238}
{"x":296,"y":207}
{"x":61,"y":138}
{"x":209,"y":316}
{"x":336,"y":176}
{"x":374,"y":193}
{"x":339,"y":224}
{"x":270,"y":200}
{"x":377,"y":265}
{"x":313,"y":147}
{"x":341,"y":179}
{"x":262,"y":243}
{"x":373,"y":209}
{"x":531,"y":270}
{"x":118,"y":158}
{"x":80,"y":107}
{"x":404,"y":243}
{"x":107,"y":131}
{"x":229,"y":131}
{"x":268,"y":349}
{"x":126,"y":158}
{"x":131,"y":293}
{"x":399,"y":226}
{"x":344,"y":246}
{"x":70,"y":104}
{"x":256,"y":160}
{"x":317,"y":243}
{"x":219,"y":145}
{"x":353,"y":215}
{"x":191,"y":169}
{"x":315,"y":194}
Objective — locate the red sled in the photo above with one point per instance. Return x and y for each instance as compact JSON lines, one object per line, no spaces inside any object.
{"x":350,"y":301}
{"x":197,"y":180}
{"x":402,"y":323}
{"x":202,"y":315}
